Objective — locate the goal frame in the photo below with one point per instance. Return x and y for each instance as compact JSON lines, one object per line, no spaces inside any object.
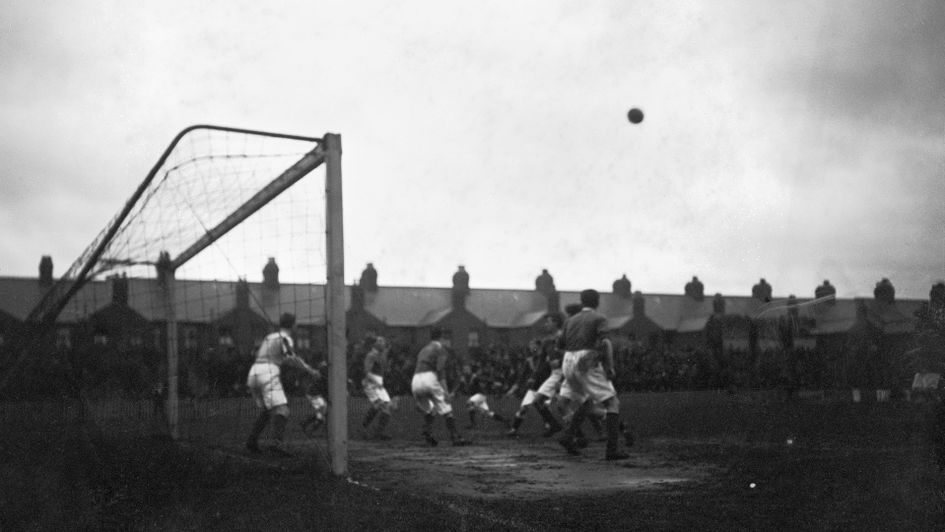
{"x":327,"y":151}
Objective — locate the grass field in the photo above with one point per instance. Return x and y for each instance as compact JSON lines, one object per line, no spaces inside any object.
{"x":702,"y":461}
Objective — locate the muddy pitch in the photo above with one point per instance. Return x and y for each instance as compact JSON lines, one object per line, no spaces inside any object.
{"x":514,"y":469}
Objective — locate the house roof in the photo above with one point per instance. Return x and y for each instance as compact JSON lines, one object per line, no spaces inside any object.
{"x":196,"y":301}
{"x":20,"y":295}
{"x":507,"y":308}
{"x":406,"y":306}
{"x":208,"y":300}
{"x":845,"y":314}
{"x":434,"y":316}
{"x":693,"y":324}
{"x":416,"y":306}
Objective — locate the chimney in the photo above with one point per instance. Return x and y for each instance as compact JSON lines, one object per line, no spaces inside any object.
{"x":120,"y":290}
{"x":695,"y":289}
{"x":45,"y":271}
{"x":761,"y":291}
{"x":271,"y":274}
{"x":164,"y":267}
{"x":639,"y":305}
{"x":718,"y":304}
{"x":885,"y":292}
{"x":460,"y":287}
{"x":937,"y":295}
{"x":545,"y":283}
{"x":622,"y":287}
{"x":825,"y":290}
{"x":368,"y":280}
{"x":242,"y":294}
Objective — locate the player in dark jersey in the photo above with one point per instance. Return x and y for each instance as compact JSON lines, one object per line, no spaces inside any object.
{"x":588,"y":368}
{"x":478,"y":388}
{"x":429,"y":388}
{"x":375,"y":366}
{"x":544,"y":378}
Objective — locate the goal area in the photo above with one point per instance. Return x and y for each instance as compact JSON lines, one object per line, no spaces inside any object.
{"x":230,"y":229}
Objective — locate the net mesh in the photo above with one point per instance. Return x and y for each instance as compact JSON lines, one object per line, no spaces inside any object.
{"x":245,"y":231}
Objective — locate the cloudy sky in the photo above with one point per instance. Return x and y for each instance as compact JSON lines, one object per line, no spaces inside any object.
{"x":795,"y":141}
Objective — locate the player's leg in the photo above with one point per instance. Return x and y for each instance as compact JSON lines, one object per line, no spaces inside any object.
{"x":382,"y":420}
{"x":442,"y":407}
{"x":280,"y":417}
{"x":572,"y":440}
{"x":613,"y":430}
{"x":369,"y":416}
{"x":259,"y":425}
{"x":596,"y":418}
{"x":572,"y":389}
{"x":256,"y":381}
{"x":601,"y":390}
{"x":369,"y":386}
{"x":498,"y":417}
{"x":475,"y":404}
{"x":490,"y":413}
{"x":545,"y":392}
{"x":517,"y":421}
{"x":471,"y":412}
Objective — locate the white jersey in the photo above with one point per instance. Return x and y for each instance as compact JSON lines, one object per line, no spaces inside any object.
{"x":274,"y":348}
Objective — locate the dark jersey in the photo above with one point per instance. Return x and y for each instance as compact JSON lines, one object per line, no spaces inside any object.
{"x":540,"y":364}
{"x":584,"y":330}
{"x":431,"y":358}
{"x":479,"y":383}
{"x":374,"y":362}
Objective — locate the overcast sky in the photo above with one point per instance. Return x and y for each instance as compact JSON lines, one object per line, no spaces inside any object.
{"x":795,"y":141}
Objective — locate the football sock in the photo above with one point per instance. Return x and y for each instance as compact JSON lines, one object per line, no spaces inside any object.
{"x":259,"y":426}
{"x":369,"y":417}
{"x":612,"y":421}
{"x":517,"y":422}
{"x":382,"y":422}
{"x":278,"y":428}
{"x":546,"y":415}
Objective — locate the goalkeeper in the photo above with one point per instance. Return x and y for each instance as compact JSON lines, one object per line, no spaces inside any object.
{"x":265,"y":384}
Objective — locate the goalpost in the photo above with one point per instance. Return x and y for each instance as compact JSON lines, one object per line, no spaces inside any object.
{"x":185,"y":250}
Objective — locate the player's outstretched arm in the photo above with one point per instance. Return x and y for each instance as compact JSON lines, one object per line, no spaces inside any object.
{"x":294,"y":360}
{"x":608,"y":358}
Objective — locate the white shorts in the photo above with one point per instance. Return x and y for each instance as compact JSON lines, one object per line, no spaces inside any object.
{"x":374,"y":390}
{"x":265,"y":386}
{"x":550,"y":387}
{"x":529,"y":398}
{"x":478,"y":402}
{"x":318,"y":403}
{"x":429,"y":395}
{"x":585,"y":377}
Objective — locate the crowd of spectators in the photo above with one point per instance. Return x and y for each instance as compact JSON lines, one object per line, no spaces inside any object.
{"x":496,"y":369}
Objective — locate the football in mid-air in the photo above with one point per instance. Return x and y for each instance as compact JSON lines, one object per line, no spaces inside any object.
{"x":635,"y":116}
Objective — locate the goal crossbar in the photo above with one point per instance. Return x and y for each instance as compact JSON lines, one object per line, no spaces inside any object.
{"x":297,"y":171}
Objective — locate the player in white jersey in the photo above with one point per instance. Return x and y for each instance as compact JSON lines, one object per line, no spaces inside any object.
{"x":265,"y":384}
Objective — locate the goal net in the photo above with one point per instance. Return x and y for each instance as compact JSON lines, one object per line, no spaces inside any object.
{"x":156,"y":323}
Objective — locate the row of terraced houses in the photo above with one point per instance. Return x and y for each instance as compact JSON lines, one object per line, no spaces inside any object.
{"x":125,"y":313}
